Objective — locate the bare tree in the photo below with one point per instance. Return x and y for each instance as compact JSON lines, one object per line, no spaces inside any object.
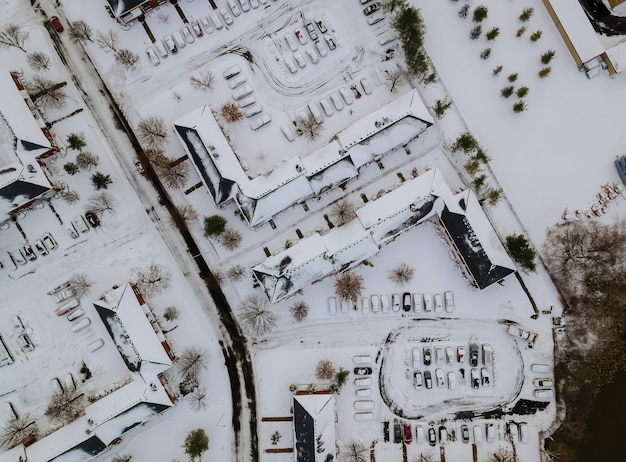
{"x":122,"y":458}
{"x":153,"y":132}
{"x":203,"y":82}
{"x":231,"y":113}
{"x":70,"y":196}
{"x":198,"y":399}
{"x":101,"y":202}
{"x":324,"y":370}
{"x":108,"y":41}
{"x":157,"y":158}
{"x":47,"y":93}
{"x":80,"y":31}
{"x":402,"y":274}
{"x":308,"y":127}
{"x":13,"y":36}
{"x":191,"y":362}
{"x":187,"y":213}
{"x":355,"y":452}
{"x":176,"y":174}
{"x":236,"y":273}
{"x":349,"y":285}
{"x":230,"y":238}
{"x":343,"y":211}
{"x":126,"y":58}
{"x":80,"y":283}
{"x":152,"y":279}
{"x":393,"y":79}
{"x":65,"y":406}
{"x":255,"y":316}
{"x":86,"y":160}
{"x":38,"y":61}
{"x":502,"y":454}
{"x":299,"y":310}
{"x":19,"y":431}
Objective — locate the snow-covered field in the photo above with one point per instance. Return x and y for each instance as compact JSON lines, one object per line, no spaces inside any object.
{"x":555,"y":155}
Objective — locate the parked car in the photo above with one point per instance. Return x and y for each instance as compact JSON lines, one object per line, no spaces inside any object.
{"x":321,"y":24}
{"x":363,"y":382}
{"x":450,"y":355}
{"x":432,"y":436}
{"x":427,"y":356}
{"x":490,"y":431}
{"x":362,"y":370}
{"x":473,"y":355}
{"x":237,"y":81}
{"x":258,"y":123}
{"x":189,"y":38}
{"x":291,"y":137}
{"x":452,"y":380}
{"x":485,"y":377}
{"x":346,"y":95}
{"x":29,"y":253}
{"x":206,"y":23}
{"x":179,"y":39}
{"x":195,"y":27}
{"x":245,"y":5}
{"x":363,"y":392}
{"x":251,"y":111}
{"x":169,"y":43}
{"x":365,"y":302}
{"x":152,"y":56}
{"x":254,"y":3}
{"x":336,"y":100}
{"x":242,"y":92}
{"x":369,"y":9}
{"x":384,"y":301}
{"x":56,"y":24}
{"x":326,"y":107}
{"x":441,"y":381}
{"x":330,"y":41}
{"x":332,"y":305}
{"x":367,"y":88}
{"x":161,"y":49}
{"x":232,"y":4}
{"x":428,"y":302}
{"x":80,"y":325}
{"x":67,"y":307}
{"x":419,"y":434}
{"x":71,"y":230}
{"x":375,"y":303}
{"x":297,"y":56}
{"x":542,"y":383}
{"x":300,"y":36}
{"x":417,"y":357}
{"x":228,"y":19}
{"x":75,"y":314}
{"x":291,"y":43}
{"x":40,"y":247}
{"x":310,"y":28}
{"x":215,"y":19}
{"x":64,"y":294}
{"x":363,"y":405}
{"x":418,"y":380}
{"x":95,"y":345}
{"x":375,"y":19}
{"x":439,"y":355}
{"x":478,"y":434}
{"x":513,"y":432}
{"x":397,"y":432}
{"x":443,"y":434}
{"x":290,"y":64}
{"x":449,"y":301}
{"x":465,"y":436}
{"x":460,"y":354}
{"x":475,"y":378}
{"x":68,"y":382}
{"x":321,"y":49}
{"x":81,"y":224}
{"x":408,"y":436}
{"x":428,"y":379}
{"x":16,"y":258}
{"x":18,"y":325}
{"x":49,"y":241}
{"x":362,"y":359}
{"x":55,"y":384}
{"x":438,"y":303}
{"x":92,"y":219}
{"x":395,"y":302}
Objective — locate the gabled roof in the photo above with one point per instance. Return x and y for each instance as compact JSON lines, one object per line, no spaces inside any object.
{"x":120,"y":7}
{"x":314,"y":427}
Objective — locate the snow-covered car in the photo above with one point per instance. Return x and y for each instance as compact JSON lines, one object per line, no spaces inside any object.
{"x":315,"y":112}
{"x":363,"y":392}
{"x":438,"y":303}
{"x":297,"y":56}
{"x":245,"y":5}
{"x":75,"y":314}
{"x":432,"y":436}
{"x":346,"y":95}
{"x":71,"y":230}
{"x":337,"y":101}
{"x":68,"y":382}
{"x":169,"y":43}
{"x":460,"y":354}
{"x":16,"y":258}
{"x":64,"y":294}
{"x":369,"y":9}
{"x":195,"y":27}
{"x":291,"y":43}
{"x":189,"y":38}
{"x":452,"y":380}
{"x":428,"y":380}
{"x":80,"y":224}
{"x":428,"y":302}
{"x":363,"y":405}
{"x":427,"y":356}
{"x":254,"y":4}
{"x":241,"y":92}
{"x":310,"y":52}
{"x":252,"y":111}
{"x":395,"y":302}
{"x":449,"y":355}
{"x":374,"y":19}
{"x":478,"y":433}
{"x":29,"y":254}
{"x":332,"y":305}
{"x":215,"y":18}
{"x":300,"y":36}
{"x":417,"y":357}
{"x":419,"y":434}
{"x":321,"y":49}
{"x":67,"y":307}
{"x":80,"y":325}
{"x":289,"y":136}
{"x":418,"y":303}
{"x":330,"y":41}
{"x":384,"y":301}
{"x":236,"y":81}
{"x":232,"y":4}
{"x":261,"y":121}
{"x":365,"y":302}
{"x":206,"y":23}
{"x":439,"y":355}
{"x":443,"y":434}
{"x":542,"y":382}
{"x":179,"y":39}
{"x":290,"y":65}
{"x":361,"y":359}
{"x":375,"y":303}
{"x":523,"y":432}
{"x":152,"y":56}
{"x":475,"y":378}
{"x":513,"y":432}
{"x":310,"y":28}
{"x":363,"y":382}
{"x":448,"y":299}
{"x":40,"y":247}
{"x":418,"y":380}
{"x":95,"y":345}
{"x":490,"y":431}
{"x":161,"y":49}
{"x":228,"y":19}
{"x":321,"y":24}
{"x":367,"y":88}
{"x":231,"y":72}
{"x":49,"y":241}
{"x":326,"y":107}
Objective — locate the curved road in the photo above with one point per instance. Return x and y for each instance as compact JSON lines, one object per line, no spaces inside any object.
{"x":233,"y":344}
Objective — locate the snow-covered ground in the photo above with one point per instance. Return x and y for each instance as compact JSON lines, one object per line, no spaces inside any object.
{"x":556,"y":155}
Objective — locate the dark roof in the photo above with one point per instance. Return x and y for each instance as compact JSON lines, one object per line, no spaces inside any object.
{"x":220,"y":188}
{"x":620,"y":164}
{"x":120,"y":7}
{"x":21,"y":189}
{"x":83,"y":451}
{"x":304,"y":428}
{"x":483,"y":270}
{"x":116,"y":330}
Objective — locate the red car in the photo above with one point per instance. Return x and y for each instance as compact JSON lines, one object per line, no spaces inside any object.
{"x":407,"y":434}
{"x":56,"y":24}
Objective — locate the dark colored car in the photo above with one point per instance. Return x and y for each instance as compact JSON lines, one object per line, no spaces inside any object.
{"x":428,"y":379}
{"x":432,"y":436}
{"x":426,"y":356}
{"x":56,"y":24}
{"x":386,"y":430}
{"x":408,"y":437}
{"x":92,"y":219}
{"x":362,"y":370}
{"x":473,"y":355}
{"x":397,"y":432}
{"x":406,"y":301}
{"x":371,"y":8}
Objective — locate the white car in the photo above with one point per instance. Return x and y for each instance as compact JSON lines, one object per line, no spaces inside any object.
{"x":346,"y":95}
{"x":228,"y":19}
{"x":438,"y":303}
{"x":367,"y":89}
{"x":321,"y":49}
{"x":252,"y":111}
{"x":300,"y":36}
{"x":395,"y":302}
{"x":291,"y":43}
{"x":440,"y":377}
{"x":245,"y":5}
{"x":95,"y":345}
{"x":161,"y":49}
{"x":332,"y":305}
{"x":242,"y":92}
{"x":189,"y":38}
{"x":326,"y":107}
{"x":310,"y":52}
{"x":336,"y":100}
{"x":428,"y":302}
{"x":287,"y":132}
{"x":236,"y":81}
{"x":206,"y":23}
{"x":258,"y":123}
{"x":247,"y":101}
{"x":75,"y":314}
{"x":168,"y":41}
{"x":178,"y":39}
{"x":448,"y":299}
{"x":152,"y":56}
{"x":232,"y":4}
{"x":330,"y":41}
{"x":374,"y":19}
{"x":363,"y":382}
{"x":418,"y":303}
{"x":375,"y":303}
{"x":64,"y":294}
{"x":365,"y":304}
{"x":215,"y":19}
{"x":290,"y":65}
{"x":231,"y":72}
{"x":452,"y":380}
{"x":81,"y":224}
{"x":299,"y":59}
{"x":80,"y":325}
{"x":384,"y":299}
{"x":195,"y":26}
{"x":254,"y":3}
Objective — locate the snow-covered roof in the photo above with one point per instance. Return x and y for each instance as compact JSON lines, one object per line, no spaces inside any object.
{"x":408,"y":105}
{"x":58,"y":442}
{"x":314,"y":427}
{"x":348,"y":245}
{"x":264,"y":196}
{"x":125,"y":304}
{"x":126,"y":420}
{"x":571,"y":19}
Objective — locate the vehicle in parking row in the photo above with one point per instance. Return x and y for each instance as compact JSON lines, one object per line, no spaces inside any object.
{"x":428,"y":379}
{"x":315,"y":112}
{"x":300,"y":36}
{"x":375,"y":299}
{"x":310,"y":28}
{"x":408,"y":435}
{"x":169,"y":43}
{"x":161,"y":49}
{"x":427,"y":356}
{"x":365,"y":301}
{"x":321,"y":49}
{"x":291,"y":65}
{"x":369,"y":9}
{"x":40,"y":247}
{"x":367,"y":88}
{"x":234,"y":8}
{"x":195,"y":27}
{"x":75,"y":314}
{"x":326,"y":107}
{"x":242,"y":92}
{"x":258,"y":123}
{"x":81,"y":224}
{"x":297,"y":56}
{"x":247,"y":101}
{"x":475,"y":378}
{"x":80,"y":325}
{"x":228,"y":19}
{"x":452,"y":380}
{"x":29,"y":254}
{"x":152,"y":56}
{"x":418,"y":380}
{"x":291,"y":137}
{"x":67,"y":307}
{"x":362,"y":370}
{"x":439,"y":356}
{"x":363,"y":392}
{"x":346,"y":95}
{"x":237,"y":81}
{"x":95,"y":345}
{"x":375,"y":19}
{"x":321,"y":24}
{"x":384,"y":301}
{"x":473,"y":354}
{"x":92,"y":219}
{"x":231,"y":72}
{"x":363,"y":405}
{"x":330,"y":41}
{"x":179,"y":39}
{"x":64,"y":294}
{"x":397,"y":432}
{"x":215,"y":19}
{"x":71,"y":230}
{"x":543,"y":382}
{"x":206,"y":23}
{"x":428,"y":302}
{"x":432,"y":436}
{"x":417,"y":357}
{"x":448,"y":299}
{"x":438,"y":303}
{"x":245,"y":5}
{"x":291,"y":43}
{"x":336,"y":100}
{"x":363,"y":382}
{"x":252,"y":110}
{"x":441,"y":381}
{"x":465,"y":436}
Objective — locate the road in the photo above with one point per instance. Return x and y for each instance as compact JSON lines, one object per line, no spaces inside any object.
{"x":106,"y":113}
